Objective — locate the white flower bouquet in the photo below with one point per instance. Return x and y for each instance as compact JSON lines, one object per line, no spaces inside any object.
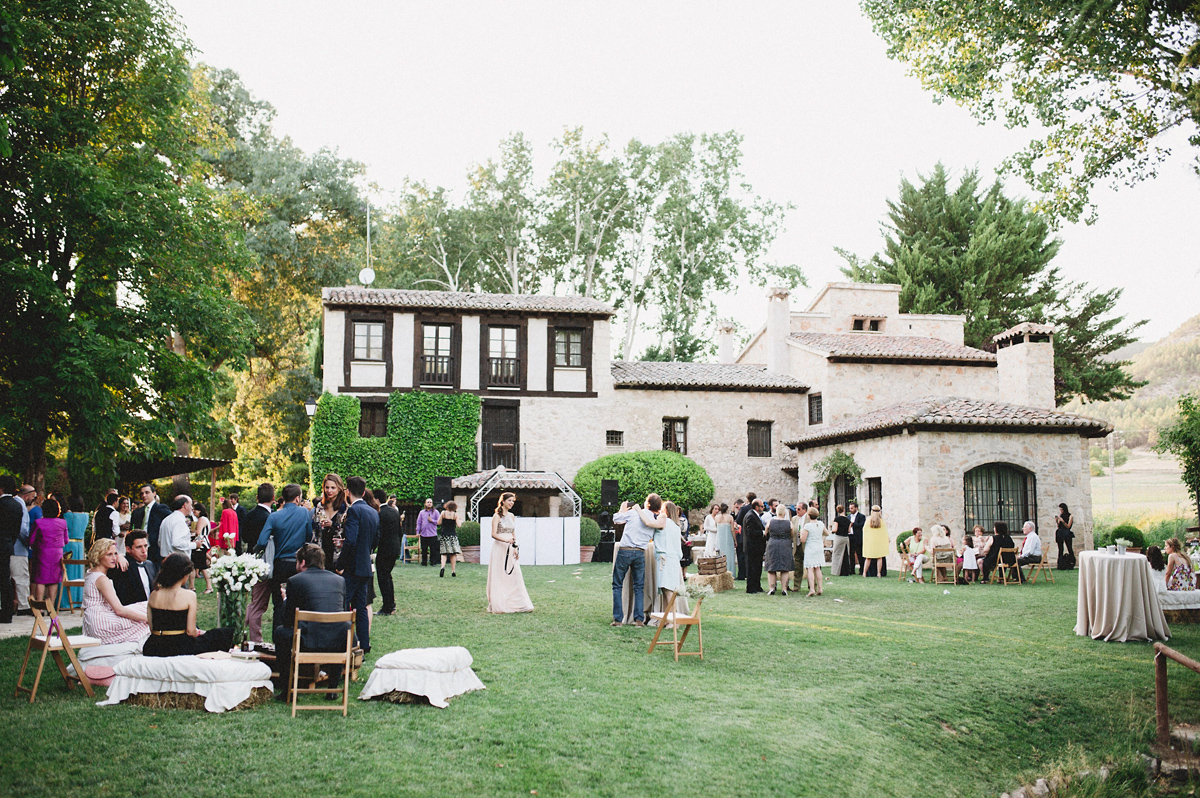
{"x":234,"y":573}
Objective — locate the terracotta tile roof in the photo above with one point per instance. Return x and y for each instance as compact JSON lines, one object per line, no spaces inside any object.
{"x":934,"y":412}
{"x":512,"y":480}
{"x":875,"y":347}
{"x":699,"y":376}
{"x":1032,"y":328}
{"x":463,"y":300}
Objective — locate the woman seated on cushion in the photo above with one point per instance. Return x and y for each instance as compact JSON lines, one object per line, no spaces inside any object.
{"x":104,"y":616}
{"x":172,"y":615}
{"x":1180,"y":573}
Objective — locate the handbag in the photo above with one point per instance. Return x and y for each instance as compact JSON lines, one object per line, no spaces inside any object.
{"x":513,"y":549}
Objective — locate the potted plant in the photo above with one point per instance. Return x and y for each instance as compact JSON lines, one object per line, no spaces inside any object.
{"x":1135,"y":541}
{"x":468,"y":539}
{"x":1122,"y":545}
{"x":589,"y":538}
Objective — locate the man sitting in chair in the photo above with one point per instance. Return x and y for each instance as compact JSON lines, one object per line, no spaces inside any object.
{"x":136,"y":581}
{"x":315,"y":590}
{"x":1031,"y":549}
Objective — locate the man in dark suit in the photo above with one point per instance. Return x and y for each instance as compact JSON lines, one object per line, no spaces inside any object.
{"x":362,"y":536}
{"x":389,"y":551}
{"x":134,"y":583}
{"x":248,"y":531}
{"x":754,"y":543}
{"x":12,"y":510}
{"x":313,"y":589}
{"x":149,"y":518}
{"x":739,"y":541}
{"x":857,"y":520}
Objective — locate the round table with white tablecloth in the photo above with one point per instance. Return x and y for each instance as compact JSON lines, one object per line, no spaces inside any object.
{"x":1117,"y":599}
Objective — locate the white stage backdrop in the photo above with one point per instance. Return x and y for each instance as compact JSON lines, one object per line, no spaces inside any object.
{"x":543,"y":541}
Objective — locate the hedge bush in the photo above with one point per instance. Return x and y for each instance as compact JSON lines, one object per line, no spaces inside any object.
{"x":428,"y":435}
{"x":1129,"y":532}
{"x":468,"y":533}
{"x":589,"y":532}
{"x":903,"y":536}
{"x":670,"y":475}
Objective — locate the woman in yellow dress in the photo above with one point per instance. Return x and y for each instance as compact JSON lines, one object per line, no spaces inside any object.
{"x":875,"y":542}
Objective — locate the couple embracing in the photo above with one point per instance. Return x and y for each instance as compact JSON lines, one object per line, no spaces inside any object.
{"x":658,"y":521}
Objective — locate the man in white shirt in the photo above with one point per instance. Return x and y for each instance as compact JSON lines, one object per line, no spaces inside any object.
{"x":1031,"y":549}
{"x":175,"y":534}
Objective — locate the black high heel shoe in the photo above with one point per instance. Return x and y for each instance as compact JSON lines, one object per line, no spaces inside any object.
{"x":443,"y":573}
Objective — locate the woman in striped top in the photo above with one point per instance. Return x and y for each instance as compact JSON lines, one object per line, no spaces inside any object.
{"x":104,"y":616}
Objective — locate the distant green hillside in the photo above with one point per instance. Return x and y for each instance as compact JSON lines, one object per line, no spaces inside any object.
{"x":1170,"y":367}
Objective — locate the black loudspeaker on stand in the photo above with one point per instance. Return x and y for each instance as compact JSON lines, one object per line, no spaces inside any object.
{"x":442,"y":492}
{"x":609,"y":492}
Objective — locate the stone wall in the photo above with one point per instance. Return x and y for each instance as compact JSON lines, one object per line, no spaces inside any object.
{"x":1059,"y":462}
{"x":894,"y":460}
{"x":857,"y":388}
{"x":562,"y":434}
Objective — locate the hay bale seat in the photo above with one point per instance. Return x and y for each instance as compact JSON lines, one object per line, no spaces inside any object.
{"x":422,"y":675}
{"x":718,"y":582}
{"x":1179,"y":606}
{"x":216,"y":685}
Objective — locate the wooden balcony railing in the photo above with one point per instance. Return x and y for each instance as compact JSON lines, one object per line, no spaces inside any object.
{"x":504,"y":371}
{"x":437,"y":370}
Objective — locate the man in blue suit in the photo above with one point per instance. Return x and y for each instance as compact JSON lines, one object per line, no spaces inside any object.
{"x":316,"y":590}
{"x":362,"y":536}
{"x":290,"y":527}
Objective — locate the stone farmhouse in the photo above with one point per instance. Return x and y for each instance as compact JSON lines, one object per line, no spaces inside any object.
{"x":943,"y":432}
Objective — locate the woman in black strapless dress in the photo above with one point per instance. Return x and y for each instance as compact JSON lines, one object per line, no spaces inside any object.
{"x":171,"y":612}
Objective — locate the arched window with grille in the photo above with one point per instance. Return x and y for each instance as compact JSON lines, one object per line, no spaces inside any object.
{"x":999,"y":492}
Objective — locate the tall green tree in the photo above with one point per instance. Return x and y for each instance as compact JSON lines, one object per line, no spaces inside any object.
{"x":504,"y":204}
{"x":1103,"y":78}
{"x":975,"y":252}
{"x":304,"y":225}
{"x":114,"y":251}
{"x":1182,"y":439}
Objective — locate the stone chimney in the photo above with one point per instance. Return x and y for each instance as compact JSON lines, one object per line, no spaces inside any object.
{"x":1025,"y":365}
{"x":727,"y":347}
{"x":779,"y":327}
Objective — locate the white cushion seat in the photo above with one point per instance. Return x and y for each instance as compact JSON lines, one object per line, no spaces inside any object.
{"x":436,"y":673}
{"x":224,"y":683}
{"x":77,"y":641}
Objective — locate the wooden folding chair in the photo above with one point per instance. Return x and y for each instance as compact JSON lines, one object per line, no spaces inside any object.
{"x":343,"y":658}
{"x":42,"y":638}
{"x":905,"y":564}
{"x":68,"y":583}
{"x":1041,"y":566}
{"x":675,"y":620}
{"x":412,"y":545}
{"x":1006,"y":573}
{"x":943,"y":565}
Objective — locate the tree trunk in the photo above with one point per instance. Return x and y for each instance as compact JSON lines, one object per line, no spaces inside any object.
{"x":34,"y":468}
{"x":182,"y":483}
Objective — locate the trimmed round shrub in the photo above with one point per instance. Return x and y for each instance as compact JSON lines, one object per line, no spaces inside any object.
{"x":468,"y":533}
{"x":673,"y":476}
{"x":1131,"y":533}
{"x":903,"y":536}
{"x":589,"y":532}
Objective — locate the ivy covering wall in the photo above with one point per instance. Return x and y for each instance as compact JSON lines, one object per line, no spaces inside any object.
{"x":428,"y":435}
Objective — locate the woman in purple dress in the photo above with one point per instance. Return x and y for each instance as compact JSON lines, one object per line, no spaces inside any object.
{"x":47,"y":540}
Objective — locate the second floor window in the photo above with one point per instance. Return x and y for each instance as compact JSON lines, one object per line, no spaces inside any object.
{"x":675,"y":435}
{"x":437,"y":365}
{"x":568,"y":348}
{"x":368,"y":340}
{"x":758,"y":438}
{"x":816,"y":409}
{"x":503,"y":365}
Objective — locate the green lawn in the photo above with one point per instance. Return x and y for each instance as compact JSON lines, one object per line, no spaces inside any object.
{"x":897,"y":690}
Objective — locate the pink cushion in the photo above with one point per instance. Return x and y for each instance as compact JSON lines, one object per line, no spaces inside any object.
{"x":99,"y":674}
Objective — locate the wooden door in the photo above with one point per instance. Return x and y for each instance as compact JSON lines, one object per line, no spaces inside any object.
{"x":501,"y":435}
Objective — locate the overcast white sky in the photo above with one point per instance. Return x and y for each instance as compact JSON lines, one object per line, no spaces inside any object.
{"x":424,"y":89}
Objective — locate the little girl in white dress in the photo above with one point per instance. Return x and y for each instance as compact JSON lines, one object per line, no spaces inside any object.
{"x":970,"y":565}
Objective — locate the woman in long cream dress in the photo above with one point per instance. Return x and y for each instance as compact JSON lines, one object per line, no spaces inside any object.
{"x":875,"y":542}
{"x":505,"y":586}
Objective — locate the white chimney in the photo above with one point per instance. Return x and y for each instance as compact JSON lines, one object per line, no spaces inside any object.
{"x":727,"y":347}
{"x":1025,"y":365}
{"x":779,"y":323}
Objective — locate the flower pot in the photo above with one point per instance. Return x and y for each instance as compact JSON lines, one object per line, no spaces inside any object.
{"x":585,"y":553}
{"x":1120,"y":549}
{"x":470,"y":554}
